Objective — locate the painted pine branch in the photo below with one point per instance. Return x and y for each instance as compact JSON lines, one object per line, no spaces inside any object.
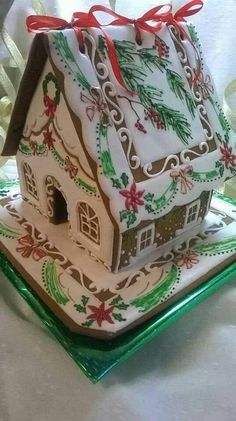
{"x":177,"y":86}
{"x":175,"y":120}
{"x":150,"y":59}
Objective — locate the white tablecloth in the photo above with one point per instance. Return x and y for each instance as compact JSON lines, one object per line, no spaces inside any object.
{"x":188,"y":373}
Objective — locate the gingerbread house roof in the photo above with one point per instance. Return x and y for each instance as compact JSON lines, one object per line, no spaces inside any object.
{"x":150,"y":151}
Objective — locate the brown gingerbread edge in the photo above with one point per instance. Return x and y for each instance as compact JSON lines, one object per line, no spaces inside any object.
{"x":102,"y":334}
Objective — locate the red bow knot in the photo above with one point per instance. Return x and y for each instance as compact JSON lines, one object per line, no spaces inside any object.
{"x":151,"y":21}
{"x":182,"y":177}
{"x":28,"y":247}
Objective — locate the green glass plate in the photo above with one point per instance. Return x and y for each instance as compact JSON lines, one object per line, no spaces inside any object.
{"x":96,"y":357}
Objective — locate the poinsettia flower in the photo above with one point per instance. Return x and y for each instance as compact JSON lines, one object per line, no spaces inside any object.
{"x":188,"y":259}
{"x":227,"y":156}
{"x":133,"y":197}
{"x":48,"y":139}
{"x":100,"y":314}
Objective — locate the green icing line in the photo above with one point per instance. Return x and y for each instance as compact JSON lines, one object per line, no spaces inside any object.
{"x":7,"y":232}
{"x":227,"y":245}
{"x":152,"y":298}
{"x":87,"y":186}
{"x":50,"y":277}
{"x":205,"y":176}
{"x":57,"y":157}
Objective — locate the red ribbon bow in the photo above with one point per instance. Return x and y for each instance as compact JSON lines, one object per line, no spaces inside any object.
{"x":82,"y":20}
{"x":29,"y":247}
{"x":182,"y":177}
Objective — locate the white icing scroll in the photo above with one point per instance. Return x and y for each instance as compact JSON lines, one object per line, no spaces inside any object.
{"x":147,"y":168}
{"x":181,"y":54}
{"x":203,"y":113}
{"x":204,"y":148}
{"x":100,"y":68}
{"x":125,"y":136}
{"x":109,"y":91}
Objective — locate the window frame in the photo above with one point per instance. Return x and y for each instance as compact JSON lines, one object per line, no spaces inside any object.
{"x":85,"y":220}
{"x":30,"y":181}
{"x":140,"y":241}
{"x":190,"y":206}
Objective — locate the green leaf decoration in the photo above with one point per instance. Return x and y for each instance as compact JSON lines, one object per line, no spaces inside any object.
{"x":88,"y":323}
{"x":149,"y":197}
{"x":62,"y":44}
{"x":84,"y":300}
{"x":149,"y":208}
{"x":150,"y":59}
{"x":125,"y":179}
{"x":51,"y":282}
{"x":81,"y":308}
{"x":218,"y":247}
{"x":64,"y":50}
{"x":175,"y":120}
{"x":118,"y":303}
{"x":107,"y":164}
{"x":148,"y":95}
{"x":8,"y":232}
{"x":125,"y":50}
{"x":25,"y":149}
{"x":219,"y":137}
{"x":221,"y":168}
{"x":118,"y":317}
{"x":128,"y":215}
{"x":147,"y":301}
{"x":116,"y":183}
{"x":177,"y":86}
{"x":205,"y":176}
{"x":193,"y":34}
{"x":41,"y":149}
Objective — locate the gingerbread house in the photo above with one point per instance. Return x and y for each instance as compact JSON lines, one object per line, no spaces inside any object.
{"x":125,"y":170}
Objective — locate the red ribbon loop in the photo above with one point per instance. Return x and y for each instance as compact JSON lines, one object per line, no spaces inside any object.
{"x":151,"y":21}
{"x":45,"y":23}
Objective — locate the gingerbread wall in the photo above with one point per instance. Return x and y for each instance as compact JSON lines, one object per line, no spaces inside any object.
{"x":165,"y":229}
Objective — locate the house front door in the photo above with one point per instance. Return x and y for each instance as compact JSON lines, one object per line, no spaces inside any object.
{"x":56,"y":202}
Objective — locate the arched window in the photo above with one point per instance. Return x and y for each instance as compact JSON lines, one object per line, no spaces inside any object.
{"x":30,"y":180}
{"x":88,"y":222}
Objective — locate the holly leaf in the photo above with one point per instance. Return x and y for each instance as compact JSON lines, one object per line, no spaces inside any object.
{"x":149,"y":208}
{"x":129,"y":216}
{"x":118,"y":303}
{"x":125,"y":179}
{"x":221,"y":167}
{"x":116,"y":183}
{"x":80,"y":308}
{"x":149,"y":197}
{"x":88,"y":323}
{"x":118,"y":317}
{"x":84,"y":300}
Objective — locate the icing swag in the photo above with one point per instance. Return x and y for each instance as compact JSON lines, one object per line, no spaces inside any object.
{"x":152,"y":21}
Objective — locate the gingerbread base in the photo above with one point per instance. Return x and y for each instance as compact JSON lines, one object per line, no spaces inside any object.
{"x":85,"y":295}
